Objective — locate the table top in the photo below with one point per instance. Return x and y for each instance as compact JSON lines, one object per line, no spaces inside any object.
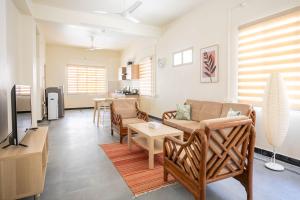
{"x":103,"y":99}
{"x":161,"y":131}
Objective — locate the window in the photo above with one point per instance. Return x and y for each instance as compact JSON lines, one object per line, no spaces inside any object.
{"x":23,"y":90}
{"x":86,"y":79}
{"x":183,"y":57}
{"x":270,"y":45}
{"x":146,"y":77}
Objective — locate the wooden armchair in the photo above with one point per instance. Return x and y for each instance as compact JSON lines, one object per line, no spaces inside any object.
{"x":220,"y":149}
{"x":123,"y":112}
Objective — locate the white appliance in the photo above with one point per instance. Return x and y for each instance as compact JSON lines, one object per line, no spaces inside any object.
{"x":52,"y":106}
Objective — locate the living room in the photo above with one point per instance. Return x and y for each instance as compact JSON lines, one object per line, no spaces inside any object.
{"x":130,"y":75}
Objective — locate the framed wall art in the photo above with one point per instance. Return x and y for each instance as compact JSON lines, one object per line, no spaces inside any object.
{"x":209,"y":64}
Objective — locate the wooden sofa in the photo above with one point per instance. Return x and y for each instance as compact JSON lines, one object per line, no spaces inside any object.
{"x":203,"y":110}
{"x":219,"y":149}
{"x":125,"y":111}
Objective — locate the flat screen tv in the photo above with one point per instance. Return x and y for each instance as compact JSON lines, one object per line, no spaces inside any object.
{"x":21,"y":112}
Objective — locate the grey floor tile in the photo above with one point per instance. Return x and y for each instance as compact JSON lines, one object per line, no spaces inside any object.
{"x":78,"y":169}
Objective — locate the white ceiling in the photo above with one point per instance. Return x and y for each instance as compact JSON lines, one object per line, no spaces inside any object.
{"x":80,"y":36}
{"x":152,"y":12}
{"x":64,"y":21}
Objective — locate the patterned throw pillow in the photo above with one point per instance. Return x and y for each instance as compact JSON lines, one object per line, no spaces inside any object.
{"x":183,"y":112}
{"x":232,"y":113}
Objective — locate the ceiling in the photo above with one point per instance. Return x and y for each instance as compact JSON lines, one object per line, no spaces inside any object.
{"x":80,"y":36}
{"x":73,"y":22}
{"x":152,"y":12}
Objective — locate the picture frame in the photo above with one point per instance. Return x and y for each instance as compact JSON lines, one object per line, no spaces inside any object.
{"x":209,"y":64}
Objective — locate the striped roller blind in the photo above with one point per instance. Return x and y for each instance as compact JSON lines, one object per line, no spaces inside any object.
{"x":86,"y":79}
{"x":146,"y":79}
{"x":23,"y":90}
{"x":270,"y":45}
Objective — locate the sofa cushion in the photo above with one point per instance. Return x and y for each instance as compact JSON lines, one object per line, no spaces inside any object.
{"x":201,"y":110}
{"x":187,"y":126}
{"x":195,"y":108}
{"x":125,"y":107}
{"x":127,"y":121}
{"x":243,"y":108}
{"x":183,"y":112}
{"x":210,"y":110}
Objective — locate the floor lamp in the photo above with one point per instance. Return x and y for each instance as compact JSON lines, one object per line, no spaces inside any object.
{"x":275,"y":116}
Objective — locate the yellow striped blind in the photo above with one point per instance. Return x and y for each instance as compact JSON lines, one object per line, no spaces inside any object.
{"x":23,"y":90}
{"x":270,"y":45}
{"x":146,"y":77}
{"x":86,"y":79}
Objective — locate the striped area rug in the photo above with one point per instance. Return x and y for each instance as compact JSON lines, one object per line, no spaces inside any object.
{"x":133,"y":167}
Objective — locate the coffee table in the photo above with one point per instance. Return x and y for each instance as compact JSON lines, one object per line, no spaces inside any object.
{"x":151,"y":139}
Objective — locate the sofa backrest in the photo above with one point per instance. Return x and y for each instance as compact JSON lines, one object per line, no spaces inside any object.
{"x":245,"y":109}
{"x":201,"y":110}
{"x":126,"y":107}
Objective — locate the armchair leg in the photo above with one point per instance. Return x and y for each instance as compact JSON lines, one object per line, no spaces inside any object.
{"x":165,"y":175}
{"x":112,"y":132}
{"x":121,"y":139}
{"x":249,"y":189}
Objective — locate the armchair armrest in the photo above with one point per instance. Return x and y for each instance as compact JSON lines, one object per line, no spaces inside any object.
{"x":142,"y":115}
{"x":116,"y":118}
{"x":169,"y":115}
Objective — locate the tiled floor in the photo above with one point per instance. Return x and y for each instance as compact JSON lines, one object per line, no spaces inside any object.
{"x":79,"y":170}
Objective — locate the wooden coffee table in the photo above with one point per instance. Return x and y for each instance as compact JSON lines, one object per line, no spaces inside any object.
{"x":151,"y":139}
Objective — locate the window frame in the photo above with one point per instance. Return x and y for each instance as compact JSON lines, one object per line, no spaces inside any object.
{"x":181,"y":52}
{"x":87,"y":93}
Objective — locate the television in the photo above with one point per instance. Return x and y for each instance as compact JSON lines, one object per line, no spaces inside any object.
{"x":21,"y":112}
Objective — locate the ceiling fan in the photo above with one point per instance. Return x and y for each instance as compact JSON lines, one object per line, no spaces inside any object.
{"x":125,"y":13}
{"x":93,"y":46}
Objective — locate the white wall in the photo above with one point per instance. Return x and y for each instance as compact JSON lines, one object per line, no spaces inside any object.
{"x":19,"y":54}
{"x":58,"y":57}
{"x":214,"y":22}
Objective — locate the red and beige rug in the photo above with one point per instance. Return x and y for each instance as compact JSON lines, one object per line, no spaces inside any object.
{"x":133,"y":167}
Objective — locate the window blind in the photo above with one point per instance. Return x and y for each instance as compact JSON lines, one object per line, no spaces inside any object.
{"x":270,"y":45}
{"x":86,"y":79}
{"x":146,"y":77}
{"x":23,"y":90}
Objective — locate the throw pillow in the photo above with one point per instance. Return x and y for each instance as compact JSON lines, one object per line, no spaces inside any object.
{"x":232,"y":113}
{"x":183,"y":112}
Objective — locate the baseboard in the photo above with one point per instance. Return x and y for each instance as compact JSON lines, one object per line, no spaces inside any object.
{"x":264,"y":152}
{"x":280,"y":157}
{"x":79,"y":108}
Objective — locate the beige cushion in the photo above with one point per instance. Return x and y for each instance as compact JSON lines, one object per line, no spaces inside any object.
{"x":125,"y":107}
{"x":127,"y":121}
{"x":183,"y":125}
{"x":243,"y":108}
{"x":201,"y":110}
{"x":195,"y":108}
{"x":210,"y":110}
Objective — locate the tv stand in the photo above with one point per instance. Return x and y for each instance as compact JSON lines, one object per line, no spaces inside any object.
{"x":23,"y":170}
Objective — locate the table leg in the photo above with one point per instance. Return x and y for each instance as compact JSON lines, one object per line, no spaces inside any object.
{"x":129,"y":138}
{"x":151,"y":153}
{"x":98,"y":116}
{"x":95,"y":110}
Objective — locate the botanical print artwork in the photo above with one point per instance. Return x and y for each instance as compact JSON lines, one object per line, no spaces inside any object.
{"x":209,"y":64}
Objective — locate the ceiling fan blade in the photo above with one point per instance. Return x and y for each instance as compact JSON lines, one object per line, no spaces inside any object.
{"x":133,"y":7}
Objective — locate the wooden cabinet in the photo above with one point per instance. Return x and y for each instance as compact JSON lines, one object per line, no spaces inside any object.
{"x":135,"y":72}
{"x":23,"y":169}
{"x":131,"y":72}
